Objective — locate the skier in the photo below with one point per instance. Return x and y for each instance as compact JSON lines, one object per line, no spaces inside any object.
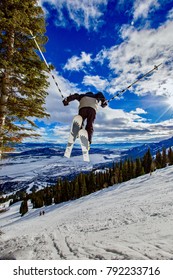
{"x":88,"y":104}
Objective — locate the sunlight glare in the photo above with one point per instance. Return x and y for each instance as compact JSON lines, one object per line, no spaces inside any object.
{"x":170,"y":101}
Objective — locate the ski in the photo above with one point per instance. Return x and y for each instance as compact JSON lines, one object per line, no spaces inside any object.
{"x":75,"y":127}
{"x":83,"y":137}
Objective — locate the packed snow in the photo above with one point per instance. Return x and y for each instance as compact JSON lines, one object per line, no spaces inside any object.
{"x":132,"y":220}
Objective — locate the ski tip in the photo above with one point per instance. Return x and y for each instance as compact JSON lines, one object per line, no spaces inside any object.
{"x":65,"y":156}
{"x":86,"y":160}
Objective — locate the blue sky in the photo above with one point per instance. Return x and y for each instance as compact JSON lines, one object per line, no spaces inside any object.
{"x":105,"y":45}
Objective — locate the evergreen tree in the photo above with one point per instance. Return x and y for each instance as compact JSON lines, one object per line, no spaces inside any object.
{"x":120,"y":179}
{"x":113,"y":178}
{"x":106,"y":179}
{"x":164,"y":158}
{"x":57,"y":194}
{"x":48,"y":195}
{"x":117,"y":172}
{"x":138,"y":167}
{"x":37,"y":200}
{"x":147,"y":160}
{"x":83,"y":186}
{"x":24,"y":207}
{"x":170,"y":156}
{"x":99,"y":180}
{"x":69,"y":190}
{"x":133,"y":169}
{"x":65,"y":191}
{"x":125,"y":171}
{"x":142,"y":171}
{"x":158,"y":160}
{"x":23,"y":81}
{"x":92,"y":186}
{"x":76,"y":189}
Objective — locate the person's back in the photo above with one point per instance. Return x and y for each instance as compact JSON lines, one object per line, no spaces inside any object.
{"x":88,"y":105}
{"x":89,"y":100}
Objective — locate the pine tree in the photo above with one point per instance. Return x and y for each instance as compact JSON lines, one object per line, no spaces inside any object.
{"x":92,"y":186}
{"x":100,"y":180}
{"x":23,"y":81}
{"x":48,"y":195}
{"x":138,"y":167}
{"x":170,"y":156}
{"x":23,"y":207}
{"x":158,"y":160}
{"x":57,"y":194}
{"x":120,"y":175}
{"x":66,"y":191}
{"x":120,"y":179}
{"x":116,"y":173}
{"x":164,"y":158}
{"x":147,"y":160}
{"x":106,"y":179}
{"x":37,"y":199}
{"x":133,"y":169}
{"x":125,"y":171}
{"x":76,"y":189}
{"x":83,"y":186}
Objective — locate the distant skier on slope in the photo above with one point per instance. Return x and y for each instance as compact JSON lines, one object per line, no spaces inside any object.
{"x":88,"y":104}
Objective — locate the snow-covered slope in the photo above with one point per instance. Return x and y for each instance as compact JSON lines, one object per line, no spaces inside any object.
{"x":132,"y":220}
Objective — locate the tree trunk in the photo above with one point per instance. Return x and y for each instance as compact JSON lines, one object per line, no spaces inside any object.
{"x":3,"y":112}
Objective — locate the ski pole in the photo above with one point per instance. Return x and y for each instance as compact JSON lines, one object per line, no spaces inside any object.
{"x":122,"y":91}
{"x":38,"y":47}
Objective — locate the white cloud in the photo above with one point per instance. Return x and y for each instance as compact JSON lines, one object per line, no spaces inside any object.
{"x":61,"y":133}
{"x":76,"y":63}
{"x":60,"y":113}
{"x":82,"y":13}
{"x":138,"y":111}
{"x":118,"y":126}
{"x":170,"y":15}
{"x":96,"y":81}
{"x":136,"y":55}
{"x":143,"y":8}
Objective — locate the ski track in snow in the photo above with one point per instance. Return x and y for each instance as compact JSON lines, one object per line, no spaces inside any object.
{"x":132,"y":220}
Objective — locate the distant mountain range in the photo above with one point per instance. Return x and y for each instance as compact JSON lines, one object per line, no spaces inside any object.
{"x":139,"y":151}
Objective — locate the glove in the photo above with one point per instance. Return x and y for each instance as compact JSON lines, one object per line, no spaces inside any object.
{"x":104,"y":104}
{"x":65,"y":102}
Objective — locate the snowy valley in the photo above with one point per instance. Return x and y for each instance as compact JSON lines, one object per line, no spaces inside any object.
{"x":39,"y":164}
